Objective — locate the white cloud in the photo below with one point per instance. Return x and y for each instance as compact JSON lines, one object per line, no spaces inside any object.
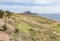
{"x":49,"y":2}
{"x":37,"y":9}
{"x":19,"y":0}
{"x":41,"y":1}
{"x":48,"y":9}
{"x":56,"y":4}
{"x":15,"y":8}
{"x":16,"y":0}
{"x":45,"y":1}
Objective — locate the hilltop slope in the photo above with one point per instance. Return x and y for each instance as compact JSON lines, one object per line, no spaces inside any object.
{"x":21,"y":27}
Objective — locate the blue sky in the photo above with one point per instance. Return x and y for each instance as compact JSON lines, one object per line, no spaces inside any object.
{"x":38,"y":6}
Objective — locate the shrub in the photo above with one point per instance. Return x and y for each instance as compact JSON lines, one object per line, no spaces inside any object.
{"x":3,"y":28}
{"x":16,"y":30}
{"x":1,"y":13}
{"x":8,"y":13}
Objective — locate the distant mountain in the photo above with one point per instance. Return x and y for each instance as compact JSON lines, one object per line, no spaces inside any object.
{"x":30,"y":13}
{"x":27,"y":12}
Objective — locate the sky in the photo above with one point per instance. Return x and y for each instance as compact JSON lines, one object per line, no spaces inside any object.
{"x":35,"y":6}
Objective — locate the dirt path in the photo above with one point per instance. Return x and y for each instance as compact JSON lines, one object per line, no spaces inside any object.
{"x":4,"y":37}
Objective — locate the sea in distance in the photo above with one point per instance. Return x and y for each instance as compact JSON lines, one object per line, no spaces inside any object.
{"x":55,"y":17}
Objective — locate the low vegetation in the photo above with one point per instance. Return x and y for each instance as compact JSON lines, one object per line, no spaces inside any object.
{"x":26,"y":27}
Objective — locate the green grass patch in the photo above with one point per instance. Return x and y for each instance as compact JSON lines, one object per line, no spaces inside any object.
{"x":57,"y":28}
{"x":24,"y":27}
{"x":15,"y":37}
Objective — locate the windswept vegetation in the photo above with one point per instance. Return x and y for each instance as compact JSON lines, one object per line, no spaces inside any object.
{"x":27,"y":27}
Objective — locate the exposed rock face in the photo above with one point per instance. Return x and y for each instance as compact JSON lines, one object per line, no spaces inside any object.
{"x":27,"y":13}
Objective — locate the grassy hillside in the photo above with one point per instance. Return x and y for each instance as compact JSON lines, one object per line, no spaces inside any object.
{"x":22,"y":27}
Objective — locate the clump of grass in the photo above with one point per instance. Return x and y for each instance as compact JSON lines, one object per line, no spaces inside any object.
{"x":3,"y":28}
{"x":33,"y":32}
{"x":15,"y":37}
{"x":16,"y":30}
{"x":57,"y":27}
